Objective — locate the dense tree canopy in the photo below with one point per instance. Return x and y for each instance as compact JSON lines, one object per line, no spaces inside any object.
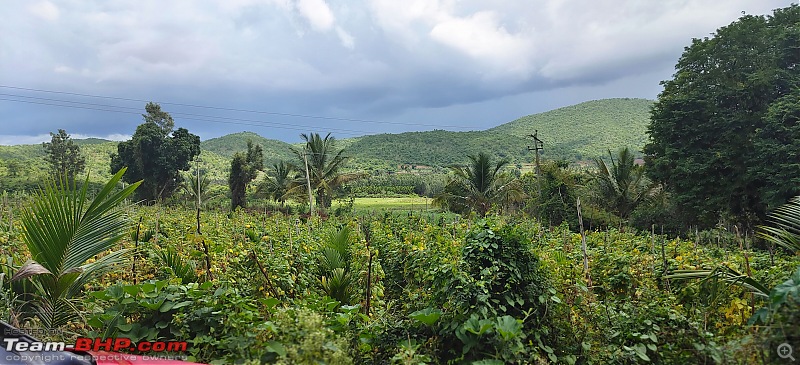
{"x":724,"y":129}
{"x":64,"y":156}
{"x":156,"y":154}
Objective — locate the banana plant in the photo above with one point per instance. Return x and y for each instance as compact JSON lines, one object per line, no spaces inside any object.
{"x":63,"y":230}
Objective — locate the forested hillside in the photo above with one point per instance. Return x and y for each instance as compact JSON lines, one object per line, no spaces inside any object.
{"x":574,"y":133}
{"x":227,"y":145}
{"x":586,"y":130}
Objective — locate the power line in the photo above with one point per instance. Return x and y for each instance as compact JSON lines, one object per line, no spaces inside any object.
{"x":353,"y":133}
{"x":235,"y":109}
{"x":190,"y":115}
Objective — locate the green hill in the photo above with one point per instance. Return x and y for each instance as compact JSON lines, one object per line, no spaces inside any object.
{"x":227,"y":145}
{"x":91,"y":140}
{"x":435,"y":148}
{"x":574,"y":133}
{"x":586,"y":130}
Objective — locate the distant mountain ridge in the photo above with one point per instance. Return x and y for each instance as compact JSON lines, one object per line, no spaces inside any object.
{"x":577,"y":132}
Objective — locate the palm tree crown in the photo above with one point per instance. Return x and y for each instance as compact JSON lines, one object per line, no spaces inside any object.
{"x":623,"y":186}
{"x":280,"y":182}
{"x":324,"y":165}
{"x":478,"y":185}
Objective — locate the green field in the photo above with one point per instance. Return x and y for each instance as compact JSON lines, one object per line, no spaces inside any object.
{"x":403,"y":203}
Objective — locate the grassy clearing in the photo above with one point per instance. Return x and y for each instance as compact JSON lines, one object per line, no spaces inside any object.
{"x":414,"y":203}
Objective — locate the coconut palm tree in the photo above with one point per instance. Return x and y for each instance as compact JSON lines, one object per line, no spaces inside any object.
{"x":623,"y":186}
{"x":479,"y":185}
{"x":280,"y":182}
{"x":324,"y":166}
{"x":192,"y":188}
{"x":63,"y":230}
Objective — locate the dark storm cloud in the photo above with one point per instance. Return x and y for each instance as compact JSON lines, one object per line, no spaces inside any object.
{"x":445,"y":62}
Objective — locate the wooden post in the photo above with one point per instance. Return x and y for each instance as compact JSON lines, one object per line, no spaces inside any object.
{"x":308,"y":181}
{"x":136,"y":249}
{"x":653,"y":243}
{"x":583,"y":245}
{"x":365,"y":229}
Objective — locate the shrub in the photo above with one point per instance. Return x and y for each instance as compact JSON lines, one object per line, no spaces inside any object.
{"x":308,"y":340}
{"x":496,"y":300}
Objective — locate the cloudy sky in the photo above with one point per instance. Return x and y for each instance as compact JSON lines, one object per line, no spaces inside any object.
{"x":351,"y":67}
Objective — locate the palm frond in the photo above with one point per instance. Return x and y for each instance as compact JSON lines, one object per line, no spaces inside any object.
{"x":727,"y":275}
{"x":62,"y":233}
{"x":784,"y":230}
{"x":183,"y":269}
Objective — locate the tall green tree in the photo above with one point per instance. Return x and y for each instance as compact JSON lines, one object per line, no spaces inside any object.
{"x":64,"y":156}
{"x":324,"y":166}
{"x":621,"y":187}
{"x":479,"y":185}
{"x":721,"y":131}
{"x":244,"y":168}
{"x":13,"y":168}
{"x":156,"y":154}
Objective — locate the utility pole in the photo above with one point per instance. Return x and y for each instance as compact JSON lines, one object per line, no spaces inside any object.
{"x":197,"y":192}
{"x":537,"y":145}
{"x":205,"y":245}
{"x":308,"y":181}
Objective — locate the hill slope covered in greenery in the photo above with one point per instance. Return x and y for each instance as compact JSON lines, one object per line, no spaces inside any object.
{"x":573,"y":133}
{"x":586,"y":130}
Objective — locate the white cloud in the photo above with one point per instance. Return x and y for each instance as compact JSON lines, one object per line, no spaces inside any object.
{"x":318,"y":14}
{"x":110,"y":137}
{"x":481,"y":36}
{"x":45,"y":10}
{"x":347,"y":40}
{"x":10,"y":140}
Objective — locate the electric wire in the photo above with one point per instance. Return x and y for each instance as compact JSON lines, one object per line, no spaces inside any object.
{"x":293,"y":115}
{"x":347,"y":132}
{"x":192,"y":116}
